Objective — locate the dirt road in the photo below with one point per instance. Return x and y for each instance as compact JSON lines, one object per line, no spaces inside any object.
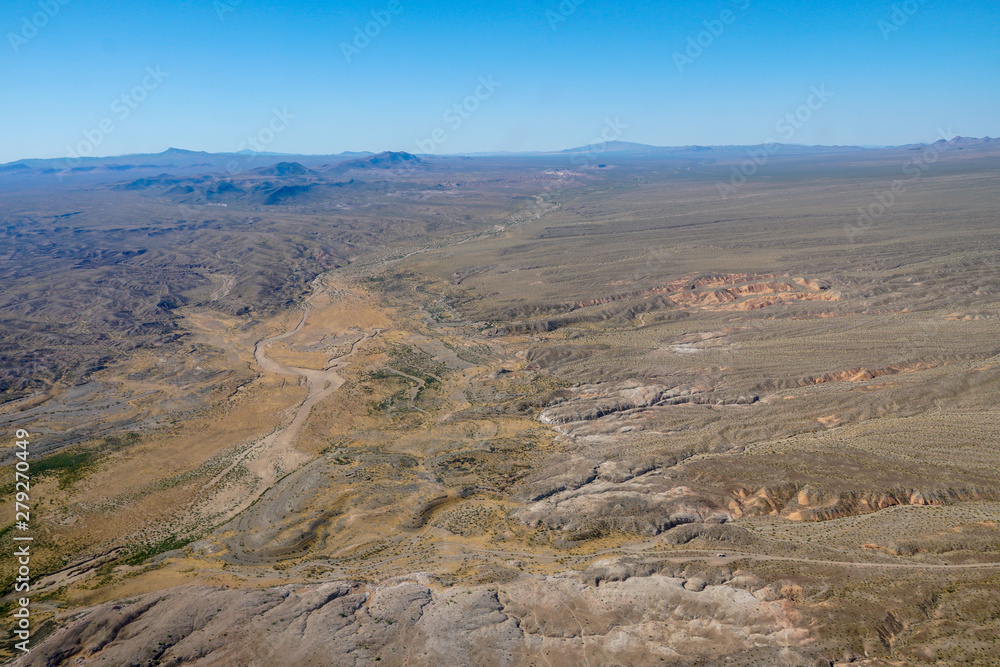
{"x":275,"y":455}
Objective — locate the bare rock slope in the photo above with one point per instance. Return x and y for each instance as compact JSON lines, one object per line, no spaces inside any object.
{"x":617,"y":613}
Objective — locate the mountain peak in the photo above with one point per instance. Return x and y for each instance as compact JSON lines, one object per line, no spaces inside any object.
{"x":284,"y":169}
{"x":383,"y":160}
{"x":181,"y":151}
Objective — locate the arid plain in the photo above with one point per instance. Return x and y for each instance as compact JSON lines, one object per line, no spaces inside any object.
{"x":592,"y":408}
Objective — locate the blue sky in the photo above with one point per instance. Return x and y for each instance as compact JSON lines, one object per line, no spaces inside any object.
{"x":559,"y":73}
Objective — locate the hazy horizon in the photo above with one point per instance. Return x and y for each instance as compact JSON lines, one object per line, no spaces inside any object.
{"x":569,"y":149}
{"x":301,"y":78}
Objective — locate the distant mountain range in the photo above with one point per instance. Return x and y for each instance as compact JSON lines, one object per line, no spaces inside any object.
{"x":627,"y":147}
{"x":172,"y":158}
{"x":281,"y":183}
{"x":964,"y":142}
{"x":202,"y":176}
{"x":179,"y":157}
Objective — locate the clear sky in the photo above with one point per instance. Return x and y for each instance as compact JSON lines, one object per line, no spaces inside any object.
{"x":558,"y":74}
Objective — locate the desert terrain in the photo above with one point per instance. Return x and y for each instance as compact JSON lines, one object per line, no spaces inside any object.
{"x":522,"y":410}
